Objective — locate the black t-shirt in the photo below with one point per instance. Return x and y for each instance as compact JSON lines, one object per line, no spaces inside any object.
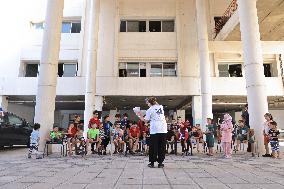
{"x":273,"y":134}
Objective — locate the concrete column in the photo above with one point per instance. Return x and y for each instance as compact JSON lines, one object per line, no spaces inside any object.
{"x":47,"y":79}
{"x":99,"y":102}
{"x":93,"y":26}
{"x":4,"y":103}
{"x":253,"y":63}
{"x":112,"y":114}
{"x":206,"y":92}
{"x":181,"y":113}
{"x":197,"y":109}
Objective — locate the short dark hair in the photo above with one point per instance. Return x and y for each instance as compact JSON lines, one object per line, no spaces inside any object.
{"x":125,"y":115}
{"x":36,"y":126}
{"x":268,"y":115}
{"x":106,"y":116}
{"x":117,"y":115}
{"x":95,"y":112}
{"x":273,"y":123}
{"x":54,"y":126}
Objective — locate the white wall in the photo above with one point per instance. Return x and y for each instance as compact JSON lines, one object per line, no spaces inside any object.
{"x":278,"y":116}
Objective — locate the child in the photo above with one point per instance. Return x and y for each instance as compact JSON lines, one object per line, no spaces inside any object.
{"x":93,"y":138}
{"x":209,"y":136}
{"x":251,"y":141}
{"x":117,"y":138}
{"x":273,"y":138}
{"x":171,"y":136}
{"x":34,"y":140}
{"x":226,"y":139}
{"x":55,"y":135}
{"x":183,"y":137}
{"x":144,"y":142}
{"x":242,"y":133}
{"x":72,"y":130}
{"x":102,"y":134}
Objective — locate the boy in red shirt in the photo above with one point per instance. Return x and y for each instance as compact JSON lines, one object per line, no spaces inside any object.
{"x":134,"y":135}
{"x":95,"y":119}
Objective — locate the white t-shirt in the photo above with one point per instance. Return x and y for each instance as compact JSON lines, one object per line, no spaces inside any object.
{"x":155,"y":114}
{"x":34,"y":137}
{"x":266,"y":127}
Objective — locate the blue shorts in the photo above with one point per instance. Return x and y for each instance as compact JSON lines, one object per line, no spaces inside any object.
{"x":274,"y":146}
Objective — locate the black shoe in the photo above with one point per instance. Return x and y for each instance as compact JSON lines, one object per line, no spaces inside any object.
{"x":115,"y":152}
{"x":160,"y":165}
{"x":151,"y":165}
{"x":266,"y":155}
{"x":29,"y":156}
{"x":104,"y":153}
{"x":172,"y":152}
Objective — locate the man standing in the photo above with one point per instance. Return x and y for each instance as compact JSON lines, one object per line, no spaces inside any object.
{"x":158,"y":131}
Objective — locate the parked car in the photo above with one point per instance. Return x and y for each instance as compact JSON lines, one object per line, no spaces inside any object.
{"x":14,"y":130}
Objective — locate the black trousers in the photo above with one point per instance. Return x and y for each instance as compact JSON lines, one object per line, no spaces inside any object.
{"x":157,"y":147}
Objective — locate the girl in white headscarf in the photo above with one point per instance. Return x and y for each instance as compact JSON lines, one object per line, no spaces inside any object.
{"x":226,"y":139}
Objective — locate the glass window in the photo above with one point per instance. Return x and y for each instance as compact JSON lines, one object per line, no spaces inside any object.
{"x":156,"y":70}
{"x":223,"y":70}
{"x":76,"y":27}
{"x":235,"y":70}
{"x":143,"y":71}
{"x":13,"y":120}
{"x":142,"y":26}
{"x":132,"y":26}
{"x":132,"y":69}
{"x":169,"y":69}
{"x":168,"y":26}
{"x":60,"y":70}
{"x":31,"y":70}
{"x":38,"y":26}
{"x":66,"y":27}
{"x":122,"y":70}
{"x":70,"y":70}
{"x":122,"y":26}
{"x":155,"y":26}
{"x":267,"y":70}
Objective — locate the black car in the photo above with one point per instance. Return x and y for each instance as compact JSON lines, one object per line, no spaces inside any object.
{"x":14,"y":130}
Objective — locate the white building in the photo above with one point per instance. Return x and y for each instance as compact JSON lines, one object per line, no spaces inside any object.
{"x":114,"y":53}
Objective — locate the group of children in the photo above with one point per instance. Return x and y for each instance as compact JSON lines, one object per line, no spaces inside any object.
{"x":135,"y":136}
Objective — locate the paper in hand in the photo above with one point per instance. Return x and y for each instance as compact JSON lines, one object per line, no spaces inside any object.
{"x":136,"y":110}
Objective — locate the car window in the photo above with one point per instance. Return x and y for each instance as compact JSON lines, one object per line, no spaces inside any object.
{"x":15,"y":120}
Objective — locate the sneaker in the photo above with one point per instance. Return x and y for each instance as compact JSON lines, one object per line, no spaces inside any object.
{"x":29,"y":156}
{"x":151,"y":165}
{"x":252,"y":155}
{"x":104,"y":153}
{"x":172,"y":152}
{"x":39,"y":157}
{"x":160,"y":165}
{"x":115,"y":152}
{"x":266,"y":155}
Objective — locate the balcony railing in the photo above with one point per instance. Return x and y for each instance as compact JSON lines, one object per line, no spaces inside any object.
{"x":226,"y":16}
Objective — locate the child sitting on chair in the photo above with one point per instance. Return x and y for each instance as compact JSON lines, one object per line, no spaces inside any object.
{"x":251,"y":141}
{"x":93,"y":138}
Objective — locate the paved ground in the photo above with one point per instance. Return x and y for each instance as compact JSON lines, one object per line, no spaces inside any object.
{"x":16,"y":171}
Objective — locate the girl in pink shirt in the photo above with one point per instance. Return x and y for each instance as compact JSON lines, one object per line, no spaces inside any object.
{"x":226,"y":139}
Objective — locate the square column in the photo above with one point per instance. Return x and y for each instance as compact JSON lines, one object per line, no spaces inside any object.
{"x":197,"y":110}
{"x":4,"y":103}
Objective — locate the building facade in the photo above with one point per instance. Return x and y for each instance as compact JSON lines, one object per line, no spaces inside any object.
{"x":108,"y":55}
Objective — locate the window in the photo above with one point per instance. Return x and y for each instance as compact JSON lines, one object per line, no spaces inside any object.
{"x":147,"y":26}
{"x":159,"y":69}
{"x":156,"y":70}
{"x":136,"y":26}
{"x":70,"y":70}
{"x":122,"y":26}
{"x":230,"y":70}
{"x":31,"y":70}
{"x":155,"y":26}
{"x":71,"y":27}
{"x":37,"y":26}
{"x":168,"y":26}
{"x":267,"y":70}
{"x":132,"y":70}
{"x":67,"y":69}
{"x":76,"y":27}
{"x":13,"y":120}
{"x":169,"y":69}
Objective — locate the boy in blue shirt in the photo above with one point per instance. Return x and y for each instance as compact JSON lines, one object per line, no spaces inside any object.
{"x":34,"y":140}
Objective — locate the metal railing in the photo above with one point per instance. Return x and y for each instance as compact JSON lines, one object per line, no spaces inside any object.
{"x":226,"y":16}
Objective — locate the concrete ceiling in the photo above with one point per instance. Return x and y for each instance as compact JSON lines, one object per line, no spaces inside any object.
{"x":271,"y":21}
{"x":220,"y":103}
